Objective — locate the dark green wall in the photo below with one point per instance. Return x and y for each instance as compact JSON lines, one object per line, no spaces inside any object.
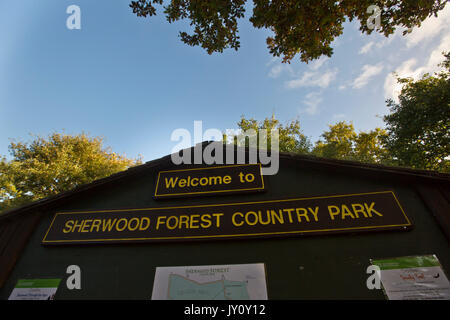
{"x":305,"y":267}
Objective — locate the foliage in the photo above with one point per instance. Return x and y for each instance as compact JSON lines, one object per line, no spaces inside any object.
{"x":342,"y":142}
{"x":46,"y":167}
{"x":291,"y":138}
{"x":306,"y":27}
{"x":419,"y":125}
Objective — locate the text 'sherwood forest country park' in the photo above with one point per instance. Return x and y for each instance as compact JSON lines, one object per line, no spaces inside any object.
{"x":316,"y":215}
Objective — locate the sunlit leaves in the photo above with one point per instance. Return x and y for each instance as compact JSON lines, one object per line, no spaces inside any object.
{"x":342,"y":142}
{"x":419,"y":125}
{"x":291,"y":138}
{"x":300,"y":27}
{"x":48,"y":166}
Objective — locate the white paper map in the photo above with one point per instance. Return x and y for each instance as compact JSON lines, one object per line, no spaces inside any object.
{"x":219,"y":282}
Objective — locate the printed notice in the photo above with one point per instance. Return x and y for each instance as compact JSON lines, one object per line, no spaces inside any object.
{"x":219,"y":282}
{"x":35,"y":289}
{"x":413,"y":278}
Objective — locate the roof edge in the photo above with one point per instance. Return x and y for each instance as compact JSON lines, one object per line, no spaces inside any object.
{"x":343,"y":164}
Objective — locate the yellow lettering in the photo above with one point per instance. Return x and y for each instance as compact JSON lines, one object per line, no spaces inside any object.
{"x":141,"y":225}
{"x":333,"y":211}
{"x":69,"y":225}
{"x":346,"y":212}
{"x":304,"y":214}
{"x":370,"y":209}
{"x":206,"y":218}
{"x":275,"y":216}
{"x":108,"y":226}
{"x":96,"y":224}
{"x":234,"y":221}
{"x":168,"y":222}
{"x":77,"y":225}
{"x":217,"y":215}
{"x":247,"y":219}
{"x":261,"y":219}
{"x":184,"y":220}
{"x":182,"y":183}
{"x":215,"y":180}
{"x":129,"y":224}
{"x":315,"y":213}
{"x":86,"y":224}
{"x":171,"y":183}
{"x":124,"y":226}
{"x":359,"y":210}
{"x":194,"y":221}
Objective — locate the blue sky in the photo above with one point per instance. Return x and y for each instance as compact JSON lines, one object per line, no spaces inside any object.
{"x":132,"y":81}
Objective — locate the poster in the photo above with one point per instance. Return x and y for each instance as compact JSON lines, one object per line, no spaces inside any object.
{"x":413,"y":278}
{"x":217,"y":282}
{"x":35,"y":289}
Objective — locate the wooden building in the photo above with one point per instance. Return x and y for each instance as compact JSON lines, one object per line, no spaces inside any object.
{"x":307,"y":260}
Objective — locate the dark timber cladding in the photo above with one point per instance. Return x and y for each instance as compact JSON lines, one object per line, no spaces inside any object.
{"x":330,"y":217}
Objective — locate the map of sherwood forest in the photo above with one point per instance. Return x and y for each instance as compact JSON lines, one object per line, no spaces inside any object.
{"x":220,"y":282}
{"x":181,"y":288}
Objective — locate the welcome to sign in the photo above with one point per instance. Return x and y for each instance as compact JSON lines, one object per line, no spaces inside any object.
{"x":316,"y":215}
{"x":241,"y":178}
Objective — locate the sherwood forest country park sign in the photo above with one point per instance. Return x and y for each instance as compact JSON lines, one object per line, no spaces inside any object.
{"x":287,"y":217}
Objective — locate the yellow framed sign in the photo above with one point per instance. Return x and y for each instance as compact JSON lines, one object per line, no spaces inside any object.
{"x":240,"y":178}
{"x":287,"y":217}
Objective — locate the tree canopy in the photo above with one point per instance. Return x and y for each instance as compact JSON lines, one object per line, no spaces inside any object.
{"x":48,"y":166}
{"x":419,"y":125}
{"x":291,"y":138}
{"x":416,"y":135}
{"x":339,"y":142}
{"x":342,"y":142}
{"x":306,"y":27}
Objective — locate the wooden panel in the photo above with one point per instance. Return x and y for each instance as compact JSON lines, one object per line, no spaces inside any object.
{"x":438,"y":204}
{"x":446,"y":192}
{"x":8,"y":227}
{"x":17,"y":233}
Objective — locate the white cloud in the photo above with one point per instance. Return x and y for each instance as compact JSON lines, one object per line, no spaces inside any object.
{"x":391,"y":87}
{"x":408,"y":69}
{"x":313,"y":79}
{"x":339,"y":116}
{"x":272,"y":61}
{"x":319,"y":62}
{"x":430,"y":28}
{"x":366,"y":48}
{"x":312,"y":100}
{"x":368,"y":71}
{"x":436,"y":56}
{"x":277,"y":69}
